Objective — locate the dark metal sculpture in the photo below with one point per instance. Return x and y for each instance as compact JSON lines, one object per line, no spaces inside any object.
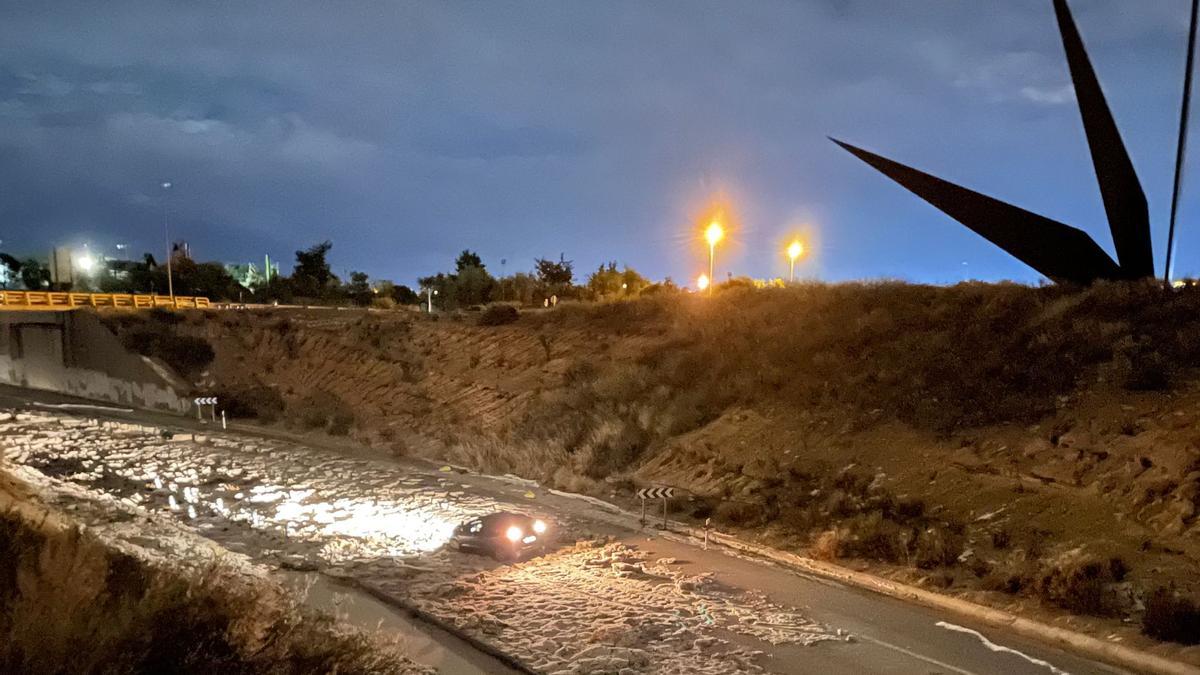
{"x":1181,"y":146}
{"x":1058,"y":251}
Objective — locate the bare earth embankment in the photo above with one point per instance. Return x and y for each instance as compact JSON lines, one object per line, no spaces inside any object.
{"x":1032,"y":448}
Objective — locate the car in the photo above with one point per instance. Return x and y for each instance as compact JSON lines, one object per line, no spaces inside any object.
{"x":503,"y":535}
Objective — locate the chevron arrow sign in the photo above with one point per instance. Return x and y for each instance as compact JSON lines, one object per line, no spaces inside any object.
{"x":656,"y":493}
{"x":206,"y":400}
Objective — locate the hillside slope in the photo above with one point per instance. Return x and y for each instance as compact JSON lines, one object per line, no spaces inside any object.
{"x":1001,"y":440}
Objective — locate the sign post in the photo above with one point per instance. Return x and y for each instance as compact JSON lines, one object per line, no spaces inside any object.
{"x":202,"y":401}
{"x":665,"y":493}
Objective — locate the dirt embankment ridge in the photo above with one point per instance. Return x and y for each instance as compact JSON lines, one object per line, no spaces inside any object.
{"x":1026,"y":446}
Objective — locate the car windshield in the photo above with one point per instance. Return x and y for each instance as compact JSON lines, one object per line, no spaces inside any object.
{"x":497,"y":524}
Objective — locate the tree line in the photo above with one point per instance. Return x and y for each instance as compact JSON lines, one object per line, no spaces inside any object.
{"x":471,"y":284}
{"x":312,"y":281}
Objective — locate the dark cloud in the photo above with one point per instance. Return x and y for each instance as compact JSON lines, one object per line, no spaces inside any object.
{"x":406,"y":131}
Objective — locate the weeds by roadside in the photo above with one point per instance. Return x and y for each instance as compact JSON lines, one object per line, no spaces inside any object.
{"x":70,"y":604}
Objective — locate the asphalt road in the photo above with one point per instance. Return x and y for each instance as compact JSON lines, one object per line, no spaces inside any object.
{"x":885,"y":635}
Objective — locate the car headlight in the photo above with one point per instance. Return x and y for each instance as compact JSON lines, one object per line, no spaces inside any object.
{"x":513,"y":533}
{"x":539,"y":526}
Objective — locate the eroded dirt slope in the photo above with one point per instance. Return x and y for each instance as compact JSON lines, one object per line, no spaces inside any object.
{"x":1011,"y":441}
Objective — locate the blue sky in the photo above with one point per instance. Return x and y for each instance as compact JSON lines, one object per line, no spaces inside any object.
{"x":407,"y":131}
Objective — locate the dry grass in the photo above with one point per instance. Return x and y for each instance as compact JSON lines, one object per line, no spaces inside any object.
{"x":324,"y":410}
{"x":70,"y":604}
{"x":937,"y":358}
{"x":499,"y":315}
{"x":157,"y":334}
{"x":1077,"y":581}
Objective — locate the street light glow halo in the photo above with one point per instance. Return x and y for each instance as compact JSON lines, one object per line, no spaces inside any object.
{"x":714,"y":233}
{"x":795,"y":249}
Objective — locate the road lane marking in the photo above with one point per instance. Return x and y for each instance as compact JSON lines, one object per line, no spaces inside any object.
{"x":919,"y":657}
{"x":1001,"y":648}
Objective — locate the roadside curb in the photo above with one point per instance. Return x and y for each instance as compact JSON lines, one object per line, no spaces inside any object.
{"x":1080,"y":643}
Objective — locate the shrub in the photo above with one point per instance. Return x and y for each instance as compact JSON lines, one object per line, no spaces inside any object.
{"x":875,"y":538}
{"x":186,"y":354}
{"x":324,"y":410}
{"x":741,"y":514}
{"x":254,"y":402}
{"x":827,"y":546}
{"x":1081,"y":583}
{"x":615,"y":451}
{"x":1001,"y":539}
{"x":165,"y":316}
{"x":82,"y":607}
{"x":499,"y":315}
{"x":937,"y":547}
{"x":1171,"y":617}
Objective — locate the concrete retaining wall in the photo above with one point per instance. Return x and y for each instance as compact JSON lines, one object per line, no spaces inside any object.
{"x":74,"y":353}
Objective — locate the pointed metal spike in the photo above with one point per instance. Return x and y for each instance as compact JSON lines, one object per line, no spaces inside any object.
{"x":1124,"y":200}
{"x":1058,"y":251}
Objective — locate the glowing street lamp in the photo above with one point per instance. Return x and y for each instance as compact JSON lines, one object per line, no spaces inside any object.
{"x":166,"y":236}
{"x":794,"y":250}
{"x":713,"y":234}
{"x":703,"y":283}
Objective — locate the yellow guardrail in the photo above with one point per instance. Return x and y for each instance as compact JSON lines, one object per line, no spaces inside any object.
{"x":50,"y":300}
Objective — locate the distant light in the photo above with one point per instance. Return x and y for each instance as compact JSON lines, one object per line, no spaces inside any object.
{"x":166,"y":185}
{"x":795,"y":250}
{"x":85,"y":262}
{"x":539,"y":526}
{"x":514,"y":533}
{"x":714,"y":233}
{"x":703,"y":282}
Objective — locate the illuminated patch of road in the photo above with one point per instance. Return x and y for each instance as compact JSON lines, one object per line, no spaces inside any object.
{"x":601,"y":608}
{"x":295,"y":500}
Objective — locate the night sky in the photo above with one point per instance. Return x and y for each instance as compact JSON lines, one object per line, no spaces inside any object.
{"x":408,"y":131}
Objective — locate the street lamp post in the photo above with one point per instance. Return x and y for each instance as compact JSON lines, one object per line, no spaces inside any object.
{"x":167,"y":238}
{"x":712,"y":235}
{"x":794,"y":250}
{"x":429,"y":293}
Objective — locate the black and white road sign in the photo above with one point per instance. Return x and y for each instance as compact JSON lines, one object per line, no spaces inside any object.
{"x":206,"y":400}
{"x":656,"y":493}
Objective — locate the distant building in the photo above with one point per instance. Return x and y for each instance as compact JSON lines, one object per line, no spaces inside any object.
{"x":62,"y":267}
{"x":250,"y":275}
{"x":181,"y":249}
{"x":121,"y":269}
